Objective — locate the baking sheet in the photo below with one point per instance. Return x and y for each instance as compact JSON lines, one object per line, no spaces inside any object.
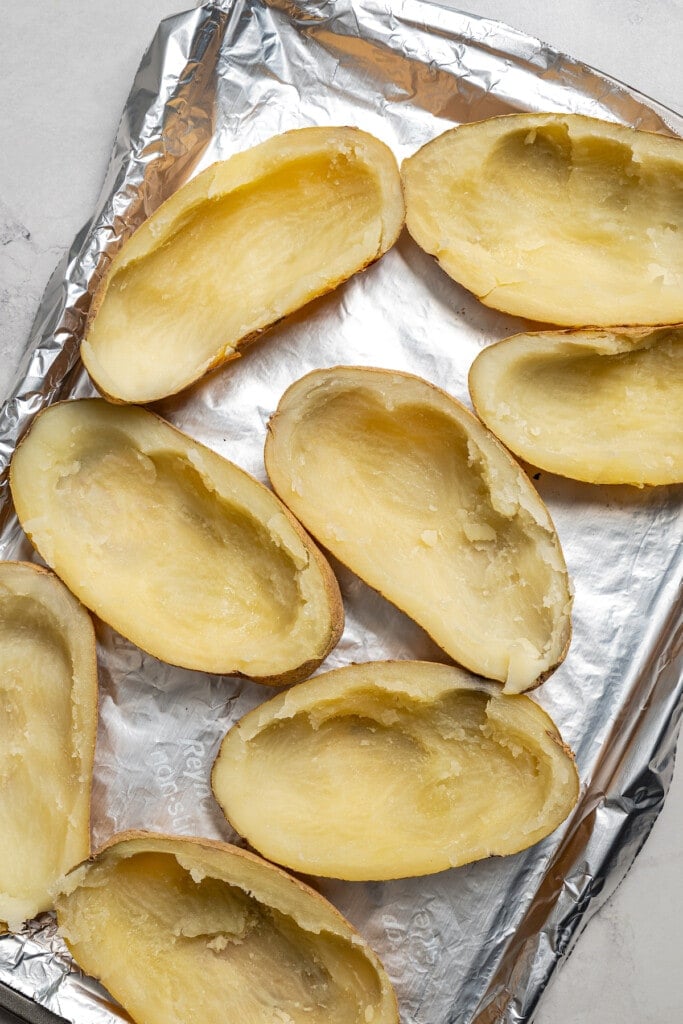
{"x":480,"y":943}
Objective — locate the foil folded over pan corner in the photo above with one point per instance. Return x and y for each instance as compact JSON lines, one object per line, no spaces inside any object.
{"x":479,"y":944}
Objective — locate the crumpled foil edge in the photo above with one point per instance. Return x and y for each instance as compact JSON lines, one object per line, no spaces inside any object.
{"x":617,"y":813}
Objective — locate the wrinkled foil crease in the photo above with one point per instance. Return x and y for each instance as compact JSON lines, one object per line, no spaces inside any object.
{"x":477,"y":944}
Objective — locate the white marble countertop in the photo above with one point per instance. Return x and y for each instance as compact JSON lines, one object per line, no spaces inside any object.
{"x":66,"y":71}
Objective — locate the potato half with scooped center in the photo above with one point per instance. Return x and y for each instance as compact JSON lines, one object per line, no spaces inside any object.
{"x":248,"y":241}
{"x":391,"y":769}
{"x":189,"y":931}
{"x":48,"y":723}
{"x":600,"y":406}
{"x":408,"y":489}
{"x":556,"y":217}
{"x":178,"y":549}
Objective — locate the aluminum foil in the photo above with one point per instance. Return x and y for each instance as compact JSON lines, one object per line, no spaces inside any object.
{"x":480,"y":943}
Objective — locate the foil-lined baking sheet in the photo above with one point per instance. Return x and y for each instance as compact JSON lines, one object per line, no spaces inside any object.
{"x":480,"y":943}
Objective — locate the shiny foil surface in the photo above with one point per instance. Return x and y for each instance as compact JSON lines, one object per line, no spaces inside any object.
{"x":475,"y":944}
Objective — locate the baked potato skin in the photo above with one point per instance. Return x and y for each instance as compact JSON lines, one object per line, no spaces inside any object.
{"x":48,"y":684}
{"x":602,"y":406}
{"x":111,"y":509}
{"x":241,"y":939}
{"x":387,"y":770}
{"x":312,"y":428}
{"x":237,"y":249}
{"x":559,"y":218}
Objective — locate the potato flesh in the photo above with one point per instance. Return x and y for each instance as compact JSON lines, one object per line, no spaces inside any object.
{"x":288,"y":229}
{"x":595,"y":406}
{"x":387,"y":770}
{"x":48,"y":711}
{"x":431,"y":515}
{"x":555,"y":217}
{"x":177,"y":549}
{"x":156,"y":504}
{"x":177,"y":947}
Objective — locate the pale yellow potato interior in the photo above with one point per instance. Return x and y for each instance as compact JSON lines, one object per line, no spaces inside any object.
{"x":48,"y":713}
{"x":242,"y":256}
{"x":138,"y":508}
{"x":555,"y":217}
{"x":386,"y":770}
{"x":180,"y":551}
{"x":423,"y":505}
{"x":177,"y":946}
{"x":594,"y":406}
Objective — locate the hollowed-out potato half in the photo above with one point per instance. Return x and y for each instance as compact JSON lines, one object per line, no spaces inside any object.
{"x":556,"y":217}
{"x":600,"y":406}
{"x":48,"y":722}
{"x":188,"y":931}
{"x":402,"y":484}
{"x":391,"y":769}
{"x":175,"y":547}
{"x":245,"y":243}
